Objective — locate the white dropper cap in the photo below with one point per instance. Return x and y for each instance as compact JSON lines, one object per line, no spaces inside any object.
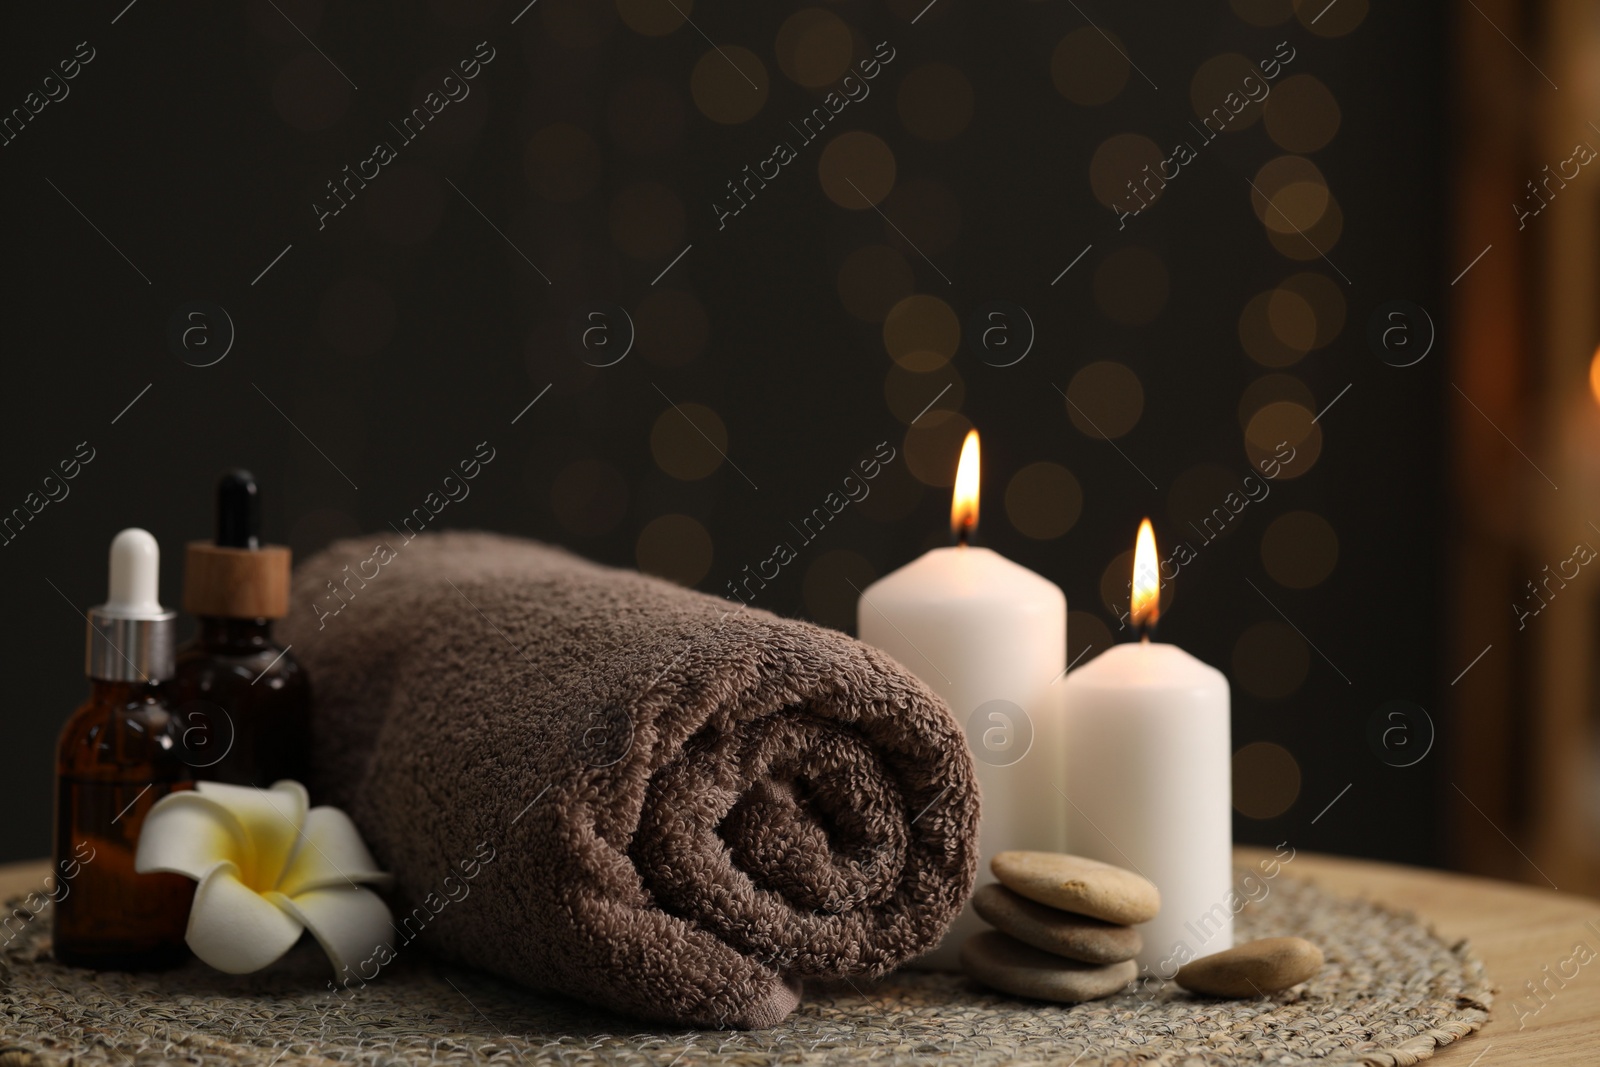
{"x":131,"y":634}
{"x":135,"y":585}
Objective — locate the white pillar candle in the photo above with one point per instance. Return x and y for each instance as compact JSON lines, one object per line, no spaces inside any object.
{"x":990,"y":637}
{"x":1148,"y":778}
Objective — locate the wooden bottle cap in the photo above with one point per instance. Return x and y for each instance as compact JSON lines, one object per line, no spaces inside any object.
{"x":236,"y":583}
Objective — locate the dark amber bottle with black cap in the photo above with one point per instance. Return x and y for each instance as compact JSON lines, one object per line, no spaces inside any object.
{"x":243,"y":700}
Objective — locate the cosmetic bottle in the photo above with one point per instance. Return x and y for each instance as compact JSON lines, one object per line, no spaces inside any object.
{"x":119,"y":754}
{"x":245,"y":702}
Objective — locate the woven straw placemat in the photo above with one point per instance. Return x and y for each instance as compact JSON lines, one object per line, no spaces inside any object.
{"x":1391,"y":993}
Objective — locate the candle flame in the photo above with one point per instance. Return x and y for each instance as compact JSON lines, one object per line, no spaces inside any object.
{"x":964,"y":500}
{"x":1146,"y":607}
{"x":1594,"y":376}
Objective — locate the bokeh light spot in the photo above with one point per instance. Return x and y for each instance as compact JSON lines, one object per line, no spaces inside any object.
{"x":1283,"y":437}
{"x":1087,"y":637}
{"x":857,"y":170}
{"x":1043,"y":500}
{"x":921,"y":332}
{"x":729,"y":85}
{"x":934,"y":444}
{"x":1326,"y":299}
{"x":1302,"y":115}
{"x":909,"y":392}
{"x":1226,"y":89}
{"x":688,"y":441}
{"x":1291,"y":319}
{"x":1105,"y":400}
{"x":814,"y":47}
{"x":1315,"y":242}
{"x":1121,"y":161}
{"x":1266,"y":780}
{"x":1269,"y":389}
{"x":1088,"y":68}
{"x":674,"y":547}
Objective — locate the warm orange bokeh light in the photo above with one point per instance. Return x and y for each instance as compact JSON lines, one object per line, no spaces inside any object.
{"x":1594,"y":376}
{"x":1146,"y":607}
{"x":964,"y":500}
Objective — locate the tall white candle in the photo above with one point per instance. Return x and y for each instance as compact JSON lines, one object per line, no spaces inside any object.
{"x":990,"y":637}
{"x":1148,"y":779}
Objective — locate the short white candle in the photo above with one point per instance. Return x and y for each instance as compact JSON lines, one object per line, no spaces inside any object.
{"x":990,"y":637}
{"x":1148,"y":779}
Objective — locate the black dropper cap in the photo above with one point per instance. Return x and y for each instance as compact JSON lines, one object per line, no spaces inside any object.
{"x":238,"y":510}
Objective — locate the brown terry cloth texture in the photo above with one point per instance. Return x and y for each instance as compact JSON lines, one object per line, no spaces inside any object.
{"x":693,"y":805}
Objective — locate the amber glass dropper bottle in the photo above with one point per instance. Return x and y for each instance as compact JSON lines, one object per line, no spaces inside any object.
{"x":118,"y":755}
{"x":245,"y":702}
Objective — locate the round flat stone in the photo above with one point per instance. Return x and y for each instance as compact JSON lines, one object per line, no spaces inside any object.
{"x":1075,"y":884}
{"x":1008,"y":965}
{"x":1252,"y":969}
{"x":1077,"y":937}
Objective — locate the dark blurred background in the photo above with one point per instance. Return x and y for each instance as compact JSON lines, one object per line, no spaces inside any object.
{"x":956,"y":248}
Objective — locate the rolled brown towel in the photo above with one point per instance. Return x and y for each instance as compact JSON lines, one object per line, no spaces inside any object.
{"x":690,"y":805}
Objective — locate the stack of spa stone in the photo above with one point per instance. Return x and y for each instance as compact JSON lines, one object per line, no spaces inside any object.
{"x":1064,"y":932}
{"x":1063,"y":927}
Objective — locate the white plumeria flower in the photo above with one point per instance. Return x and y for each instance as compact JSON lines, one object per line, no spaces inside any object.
{"x":269,"y":866}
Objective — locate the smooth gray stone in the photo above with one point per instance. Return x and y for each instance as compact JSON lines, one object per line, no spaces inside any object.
{"x":1252,"y":969}
{"x":1076,"y":884}
{"x":1077,"y":937}
{"x":1006,"y":964}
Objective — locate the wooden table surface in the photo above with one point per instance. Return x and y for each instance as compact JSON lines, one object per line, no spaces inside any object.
{"x":1519,"y":931}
